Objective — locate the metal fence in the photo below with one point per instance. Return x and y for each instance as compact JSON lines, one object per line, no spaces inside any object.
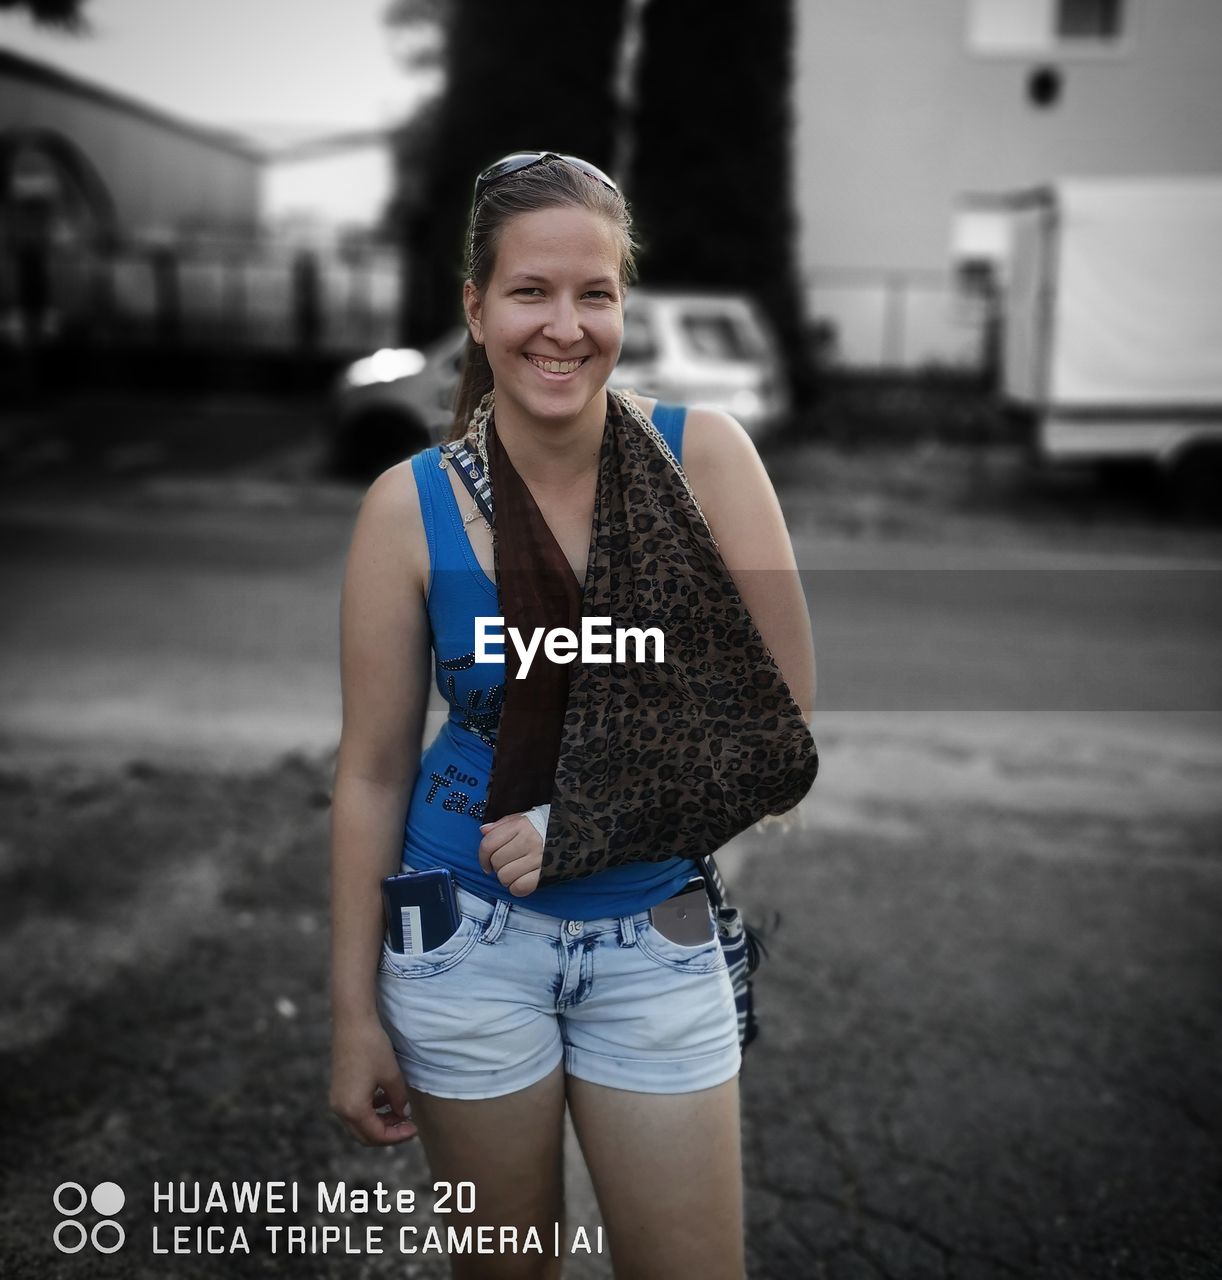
{"x":256,"y":295}
{"x":265,"y":295}
{"x":875,"y":318}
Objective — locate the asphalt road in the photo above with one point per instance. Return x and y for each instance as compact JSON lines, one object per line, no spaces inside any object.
{"x":193,"y":623}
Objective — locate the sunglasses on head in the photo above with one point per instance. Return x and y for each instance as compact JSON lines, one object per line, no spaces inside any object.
{"x":520,"y":160}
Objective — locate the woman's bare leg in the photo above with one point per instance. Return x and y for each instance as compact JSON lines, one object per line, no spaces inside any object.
{"x":667,"y":1170}
{"x":512,"y":1149}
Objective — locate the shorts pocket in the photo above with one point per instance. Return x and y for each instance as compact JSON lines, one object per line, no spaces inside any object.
{"x":704,"y":957}
{"x":424,"y":964}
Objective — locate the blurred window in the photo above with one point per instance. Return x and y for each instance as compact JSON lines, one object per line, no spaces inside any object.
{"x":980,"y":234}
{"x":640,"y":344}
{"x":1088,"y":19}
{"x":1043,"y":27}
{"x":722,"y":338}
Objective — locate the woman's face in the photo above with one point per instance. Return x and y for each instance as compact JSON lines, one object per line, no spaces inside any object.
{"x":551,"y":319}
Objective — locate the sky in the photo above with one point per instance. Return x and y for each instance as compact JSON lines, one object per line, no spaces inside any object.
{"x":289,"y":67}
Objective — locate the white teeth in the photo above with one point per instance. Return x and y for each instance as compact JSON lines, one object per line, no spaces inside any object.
{"x":556,"y":366}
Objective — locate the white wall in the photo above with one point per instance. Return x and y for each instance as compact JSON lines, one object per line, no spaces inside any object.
{"x":898,"y":116}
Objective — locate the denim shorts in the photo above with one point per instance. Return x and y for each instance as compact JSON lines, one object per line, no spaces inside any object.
{"x":514,"y":992}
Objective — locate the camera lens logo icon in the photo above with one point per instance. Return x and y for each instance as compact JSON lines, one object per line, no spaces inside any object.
{"x":70,"y":1235}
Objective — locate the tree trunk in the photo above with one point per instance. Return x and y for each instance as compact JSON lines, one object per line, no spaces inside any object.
{"x":523,"y":76}
{"x":711,"y":182}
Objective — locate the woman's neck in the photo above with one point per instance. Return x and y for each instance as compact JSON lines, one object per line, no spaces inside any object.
{"x":553,"y":454}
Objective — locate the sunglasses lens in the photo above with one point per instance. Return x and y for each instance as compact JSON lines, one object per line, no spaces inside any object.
{"x":503,"y":167}
{"x":523,"y":160}
{"x":510,"y":164}
{"x":586,"y":167}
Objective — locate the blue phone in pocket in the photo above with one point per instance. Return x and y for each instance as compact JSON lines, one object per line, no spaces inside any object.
{"x":421,"y":909}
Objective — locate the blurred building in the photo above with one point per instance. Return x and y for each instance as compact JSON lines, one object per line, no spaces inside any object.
{"x":913,"y":118}
{"x":108,"y":163}
{"x":122,"y":224}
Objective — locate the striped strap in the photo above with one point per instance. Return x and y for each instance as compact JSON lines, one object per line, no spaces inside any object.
{"x":470,"y":474}
{"x":713,"y":882}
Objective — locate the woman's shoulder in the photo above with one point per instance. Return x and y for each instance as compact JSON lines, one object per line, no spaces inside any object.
{"x":646,"y":404}
{"x":395,"y":491}
{"x":714,"y":427}
{"x":721,"y":462}
{"x":714,"y":438}
{"x":392,"y":517}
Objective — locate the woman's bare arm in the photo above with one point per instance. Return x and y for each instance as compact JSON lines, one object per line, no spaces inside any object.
{"x":741,"y":506}
{"x":384,"y":662}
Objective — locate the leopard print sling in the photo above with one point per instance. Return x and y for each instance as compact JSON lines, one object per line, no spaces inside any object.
{"x":657,"y":760}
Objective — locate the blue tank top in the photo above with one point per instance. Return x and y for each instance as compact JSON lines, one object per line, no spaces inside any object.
{"x":447,"y":803}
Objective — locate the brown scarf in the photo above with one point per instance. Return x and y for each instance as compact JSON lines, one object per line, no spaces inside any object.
{"x":640,"y":762}
{"x":537,"y":589}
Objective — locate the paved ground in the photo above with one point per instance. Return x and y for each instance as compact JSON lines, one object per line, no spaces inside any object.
{"x":992,"y":1011}
{"x":993,"y":1021}
{"x":995,"y":1012}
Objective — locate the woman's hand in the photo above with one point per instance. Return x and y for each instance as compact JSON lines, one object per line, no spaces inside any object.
{"x":513,"y":849}
{"x":363,"y":1064}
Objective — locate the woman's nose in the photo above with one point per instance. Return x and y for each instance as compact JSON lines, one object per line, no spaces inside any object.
{"x":563,"y":323}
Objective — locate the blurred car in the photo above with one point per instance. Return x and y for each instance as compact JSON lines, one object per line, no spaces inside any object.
{"x":685,"y":348}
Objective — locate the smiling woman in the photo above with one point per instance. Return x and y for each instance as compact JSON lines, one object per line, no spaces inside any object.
{"x":551,"y":317}
{"x":563,"y":793}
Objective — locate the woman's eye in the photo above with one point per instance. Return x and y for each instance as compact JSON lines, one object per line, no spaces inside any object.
{"x":590,"y":293}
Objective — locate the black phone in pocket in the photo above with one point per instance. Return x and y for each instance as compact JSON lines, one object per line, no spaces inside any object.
{"x":421,"y":909}
{"x":685,"y":918}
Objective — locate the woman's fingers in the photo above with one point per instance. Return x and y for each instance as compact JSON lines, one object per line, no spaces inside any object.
{"x":395,"y":1111}
{"x":498,"y":835}
{"x":507,"y":840}
{"x":377,"y":1122}
{"x":368,"y":1092}
{"x":512,"y":850}
{"x":521,"y":877}
{"x":392,"y":1099}
{"x":487,"y":847}
{"x":517,"y":863}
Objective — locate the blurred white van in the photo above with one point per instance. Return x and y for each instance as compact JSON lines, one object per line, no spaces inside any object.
{"x":1112,"y":325}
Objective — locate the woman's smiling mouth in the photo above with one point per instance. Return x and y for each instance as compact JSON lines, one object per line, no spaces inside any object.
{"x":556,"y":368}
